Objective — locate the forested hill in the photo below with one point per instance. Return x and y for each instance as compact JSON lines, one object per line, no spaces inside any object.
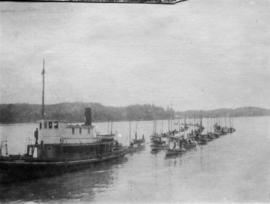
{"x":18,"y":113}
{"x":225,"y":112}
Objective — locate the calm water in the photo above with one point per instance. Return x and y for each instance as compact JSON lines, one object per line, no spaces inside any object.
{"x":232,"y":168}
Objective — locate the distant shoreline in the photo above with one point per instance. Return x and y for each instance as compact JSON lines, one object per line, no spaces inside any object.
{"x":70,"y":112}
{"x":27,"y":123}
{"x":2,"y":124}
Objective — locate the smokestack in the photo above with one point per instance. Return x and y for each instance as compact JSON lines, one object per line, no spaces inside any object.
{"x":88,"y":116}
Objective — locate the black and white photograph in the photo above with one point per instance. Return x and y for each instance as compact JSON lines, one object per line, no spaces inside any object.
{"x":135,"y":101}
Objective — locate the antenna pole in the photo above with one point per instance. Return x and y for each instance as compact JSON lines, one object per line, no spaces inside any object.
{"x":43,"y":91}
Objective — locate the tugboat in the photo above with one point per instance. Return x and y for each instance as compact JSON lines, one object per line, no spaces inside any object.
{"x":61,"y":147}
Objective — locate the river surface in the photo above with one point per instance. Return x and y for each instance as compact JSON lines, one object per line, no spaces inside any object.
{"x":233,"y":168}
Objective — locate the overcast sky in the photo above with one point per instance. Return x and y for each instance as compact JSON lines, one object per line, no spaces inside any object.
{"x":199,"y":54}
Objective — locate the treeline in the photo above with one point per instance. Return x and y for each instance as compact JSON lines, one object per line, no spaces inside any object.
{"x":225,"y":112}
{"x":19,"y":113}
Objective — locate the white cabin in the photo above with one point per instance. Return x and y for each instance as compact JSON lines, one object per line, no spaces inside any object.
{"x":55,"y":132}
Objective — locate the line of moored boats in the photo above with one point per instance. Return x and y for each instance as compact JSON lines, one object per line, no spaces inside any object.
{"x":178,"y":141}
{"x":187,"y":137}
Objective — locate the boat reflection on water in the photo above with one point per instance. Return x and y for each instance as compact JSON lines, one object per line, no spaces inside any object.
{"x":73,"y":186}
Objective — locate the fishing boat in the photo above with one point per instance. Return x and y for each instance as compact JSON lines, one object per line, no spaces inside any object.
{"x":201,"y":139}
{"x":186,"y":140}
{"x":189,"y":143}
{"x":196,"y":135}
{"x":223,"y":130}
{"x":211,"y":136}
{"x":158,"y":141}
{"x":175,"y":147}
{"x":60,"y":147}
{"x":158,"y":145}
{"x":218,"y":130}
{"x":136,"y":144}
{"x":231,"y":130}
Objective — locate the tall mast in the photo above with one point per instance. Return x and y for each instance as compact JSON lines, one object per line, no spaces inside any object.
{"x":162,"y":126}
{"x":43,"y":91}
{"x":136,"y":130}
{"x":111,"y":127}
{"x":129,"y":135}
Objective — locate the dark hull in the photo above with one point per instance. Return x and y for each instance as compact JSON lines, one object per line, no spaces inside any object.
{"x":202,"y":140}
{"x":136,"y":149}
{"x":189,"y":146}
{"x":171,"y":153}
{"x":21,"y":169}
{"x":158,"y":147}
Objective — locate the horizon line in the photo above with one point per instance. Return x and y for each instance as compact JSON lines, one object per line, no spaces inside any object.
{"x":74,"y":102}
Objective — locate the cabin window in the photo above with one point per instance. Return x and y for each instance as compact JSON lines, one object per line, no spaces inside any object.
{"x":55,"y":124}
{"x":80,"y":130}
{"x":40,"y":126}
{"x":73,"y":131}
{"x":45,"y":124}
{"x":50,"y":124}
